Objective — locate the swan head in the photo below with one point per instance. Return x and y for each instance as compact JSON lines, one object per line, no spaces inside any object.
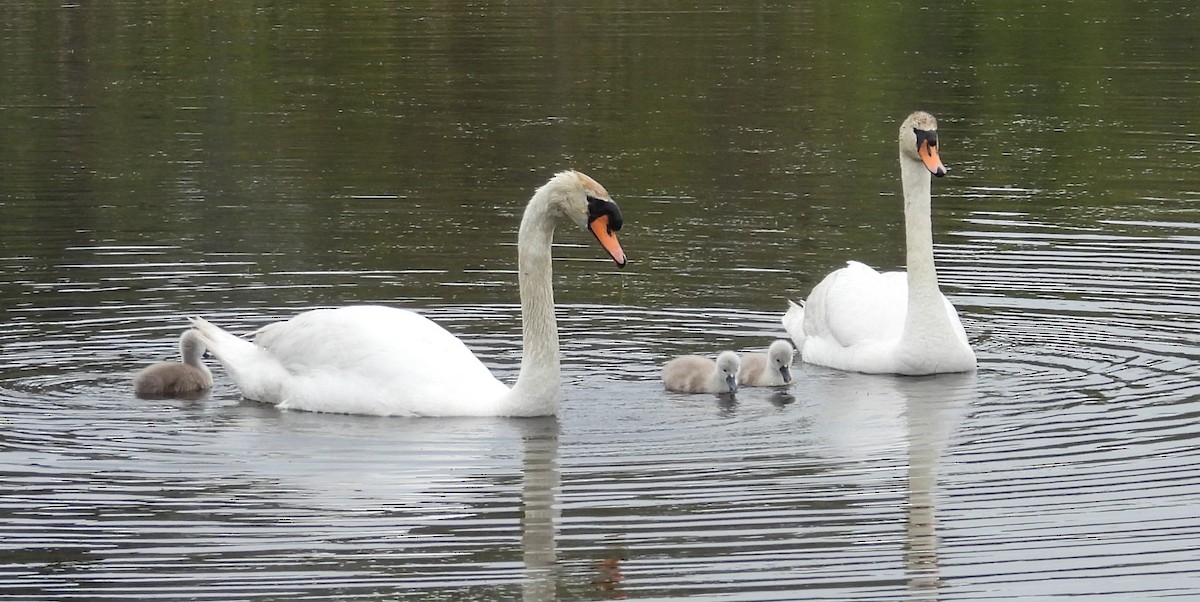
{"x":584,"y":201}
{"x":780,"y":355}
{"x":191,"y":347}
{"x":919,"y":142}
{"x":728,"y":364}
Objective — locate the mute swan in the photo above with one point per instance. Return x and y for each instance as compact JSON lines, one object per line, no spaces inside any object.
{"x":770,"y":369}
{"x":387,"y":361}
{"x":695,"y":374}
{"x":858,"y":319}
{"x":169,"y":379}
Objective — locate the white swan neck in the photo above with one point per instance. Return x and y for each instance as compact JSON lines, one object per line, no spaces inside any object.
{"x":918,"y":231}
{"x":927,"y":326}
{"x":536,"y":390}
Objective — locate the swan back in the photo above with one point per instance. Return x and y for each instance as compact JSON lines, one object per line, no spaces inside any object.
{"x":366,"y":359}
{"x":696,"y":374}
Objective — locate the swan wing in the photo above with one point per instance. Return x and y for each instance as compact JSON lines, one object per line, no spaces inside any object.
{"x":366,"y":360}
{"x":793,"y":323}
{"x":857,"y":305}
{"x":959,"y":332}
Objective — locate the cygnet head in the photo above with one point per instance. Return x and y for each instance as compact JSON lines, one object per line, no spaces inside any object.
{"x":779,"y":357}
{"x":728,"y":364}
{"x":585,"y":202}
{"x":919,"y":142}
{"x":191,"y":347}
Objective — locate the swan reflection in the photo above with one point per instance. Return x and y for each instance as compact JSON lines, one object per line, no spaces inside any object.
{"x":869,"y":419}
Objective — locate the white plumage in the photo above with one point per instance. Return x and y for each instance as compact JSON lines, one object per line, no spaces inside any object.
{"x":389,"y":361}
{"x":860,"y":320}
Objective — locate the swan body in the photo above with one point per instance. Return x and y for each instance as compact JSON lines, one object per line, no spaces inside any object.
{"x":394,"y":362}
{"x":696,"y":374}
{"x":171,"y":379}
{"x":860,"y":320}
{"x":770,"y":369}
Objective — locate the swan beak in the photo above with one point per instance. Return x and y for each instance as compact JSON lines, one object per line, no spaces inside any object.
{"x":731,"y":382}
{"x":608,"y":239}
{"x":786,"y":372}
{"x":929,"y":156}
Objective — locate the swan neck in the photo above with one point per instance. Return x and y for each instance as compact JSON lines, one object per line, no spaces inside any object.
{"x":932,"y":341}
{"x":536,"y":390}
{"x":918,"y":227}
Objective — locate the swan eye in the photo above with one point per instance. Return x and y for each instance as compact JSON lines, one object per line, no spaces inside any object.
{"x":600,"y":207}
{"x":928,"y":136}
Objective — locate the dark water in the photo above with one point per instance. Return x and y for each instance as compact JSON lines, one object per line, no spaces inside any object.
{"x":248,"y":162}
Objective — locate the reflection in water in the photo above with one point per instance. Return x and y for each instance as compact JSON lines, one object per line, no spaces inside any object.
{"x":933,"y":405}
{"x":283,"y":156}
{"x":539,"y":508}
{"x":609,"y":576}
{"x":868,"y":418}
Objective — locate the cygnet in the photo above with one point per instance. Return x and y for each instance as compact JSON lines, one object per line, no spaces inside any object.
{"x":696,"y":374}
{"x":770,"y":369}
{"x":172,"y":379}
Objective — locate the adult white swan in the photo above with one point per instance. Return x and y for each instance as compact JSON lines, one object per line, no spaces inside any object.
{"x":858,"y":319}
{"x":387,"y":361}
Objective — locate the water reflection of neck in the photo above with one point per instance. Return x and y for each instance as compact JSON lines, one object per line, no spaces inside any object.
{"x":539,"y":513}
{"x":924,"y":449}
{"x":931,"y":410}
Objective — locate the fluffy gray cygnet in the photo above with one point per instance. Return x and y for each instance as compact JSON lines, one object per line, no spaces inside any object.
{"x":695,"y":374}
{"x":770,"y":369}
{"x":174,"y":379}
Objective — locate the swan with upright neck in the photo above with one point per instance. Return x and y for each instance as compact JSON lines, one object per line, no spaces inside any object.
{"x":860,"y":320}
{"x":394,"y":362}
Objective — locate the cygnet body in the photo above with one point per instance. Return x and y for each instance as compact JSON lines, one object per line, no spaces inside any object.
{"x":696,"y":374}
{"x":770,"y":369}
{"x":172,"y":379}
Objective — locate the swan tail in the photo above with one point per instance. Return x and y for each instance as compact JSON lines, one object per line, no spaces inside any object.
{"x":217,"y":340}
{"x":246,"y":363}
{"x":793,"y":323}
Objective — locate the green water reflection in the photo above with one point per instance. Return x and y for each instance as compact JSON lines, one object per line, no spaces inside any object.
{"x":382,"y":137}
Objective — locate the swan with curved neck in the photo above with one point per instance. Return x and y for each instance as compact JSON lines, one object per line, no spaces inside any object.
{"x":860,"y":320}
{"x":388,"y":361}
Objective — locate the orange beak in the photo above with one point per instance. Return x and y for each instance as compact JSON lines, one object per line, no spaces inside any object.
{"x":929,"y":156}
{"x":608,"y":239}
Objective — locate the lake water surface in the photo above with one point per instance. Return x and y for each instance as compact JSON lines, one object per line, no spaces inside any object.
{"x":245,"y":163}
